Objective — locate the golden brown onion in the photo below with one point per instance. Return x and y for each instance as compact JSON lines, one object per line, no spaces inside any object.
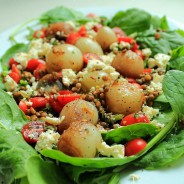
{"x":64,"y":56}
{"x":78,"y":110}
{"x":124,"y":98}
{"x":87,"y":45}
{"x":105,"y":37}
{"x":80,"y":140}
{"x":128,"y":63}
{"x":95,"y":78}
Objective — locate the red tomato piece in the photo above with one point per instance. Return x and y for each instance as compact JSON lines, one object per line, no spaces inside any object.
{"x":90,"y":56}
{"x":31,"y":131}
{"x":40,"y":33}
{"x":147,"y":70}
{"x":97,"y":27}
{"x":12,"y":62}
{"x":40,"y":70}
{"x":72,"y":38}
{"x":38,"y":102}
{"x":134,"y":146}
{"x":135,"y":47}
{"x":126,"y":39}
{"x":64,"y":99}
{"x":82,"y":31}
{"x":33,"y":63}
{"x":133,"y":118}
{"x":54,"y":103}
{"x":139,"y":52}
{"x":65,"y":92}
{"x":15,"y":76}
{"x":119,"y":32}
{"x":23,"y":106}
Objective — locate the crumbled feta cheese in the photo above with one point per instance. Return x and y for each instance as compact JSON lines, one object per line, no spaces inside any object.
{"x":160,"y":60}
{"x":149,"y":111}
{"x":107,"y":59}
{"x":116,"y":151}
{"x":69,"y":76}
{"x":52,"y":120}
{"x":146,"y":52}
{"x":22,"y":58}
{"x":156,"y":83}
{"x":47,"y":140}
{"x":10,"y":84}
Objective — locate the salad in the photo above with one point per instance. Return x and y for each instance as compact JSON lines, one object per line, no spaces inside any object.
{"x":86,"y":96}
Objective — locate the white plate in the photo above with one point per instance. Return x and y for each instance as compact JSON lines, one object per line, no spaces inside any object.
{"x":168,"y":175}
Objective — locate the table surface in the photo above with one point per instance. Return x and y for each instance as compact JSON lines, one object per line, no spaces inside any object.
{"x":14,"y":12}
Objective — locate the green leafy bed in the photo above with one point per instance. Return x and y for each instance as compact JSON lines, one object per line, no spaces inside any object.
{"x":20,"y":163}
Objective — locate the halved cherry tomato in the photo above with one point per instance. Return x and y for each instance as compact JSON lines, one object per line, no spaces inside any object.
{"x":31,"y":131}
{"x":40,"y":70}
{"x":126,"y":39}
{"x":90,"y":56}
{"x":147,"y":70}
{"x":134,"y":146}
{"x":54,"y":103}
{"x":133,"y":118}
{"x":12,"y":62}
{"x":72,"y":38}
{"x":135,"y":47}
{"x":23,"y":106}
{"x":38,"y":102}
{"x":64,"y":99}
{"x":82,"y":31}
{"x":33,"y":63}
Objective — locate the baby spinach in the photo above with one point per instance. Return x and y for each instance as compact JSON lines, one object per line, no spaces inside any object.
{"x":60,"y":14}
{"x":127,"y":133}
{"x":11,"y":117}
{"x":132,"y":20}
{"x":173,"y":87}
{"x":161,"y":103}
{"x":166,"y":152}
{"x":44,"y":172}
{"x":19,"y":47}
{"x":14,"y":152}
{"x":159,"y":23}
{"x":168,"y":41}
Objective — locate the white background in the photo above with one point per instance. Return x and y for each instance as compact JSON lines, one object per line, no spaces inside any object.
{"x":14,"y":12}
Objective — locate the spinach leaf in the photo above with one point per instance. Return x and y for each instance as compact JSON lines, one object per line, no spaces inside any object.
{"x":44,"y":172}
{"x":11,"y":117}
{"x":132,"y":20}
{"x":161,"y":103}
{"x":168,"y":41}
{"x":159,"y":23}
{"x":127,"y":133}
{"x":20,"y":47}
{"x":62,"y":13}
{"x":181,"y":32}
{"x":14,"y":152}
{"x":165,"y":153}
{"x":173,"y":87}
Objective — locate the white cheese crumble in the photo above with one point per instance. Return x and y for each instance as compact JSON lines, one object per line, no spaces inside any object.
{"x":156,"y":83}
{"x":116,"y":151}
{"x":22,"y":58}
{"x":68,"y":76}
{"x":47,"y":140}
{"x":10,"y":84}
{"x":107,"y":59}
{"x":160,"y":60}
{"x":146,"y":52}
{"x":52,"y":120}
{"x":149,"y":111}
